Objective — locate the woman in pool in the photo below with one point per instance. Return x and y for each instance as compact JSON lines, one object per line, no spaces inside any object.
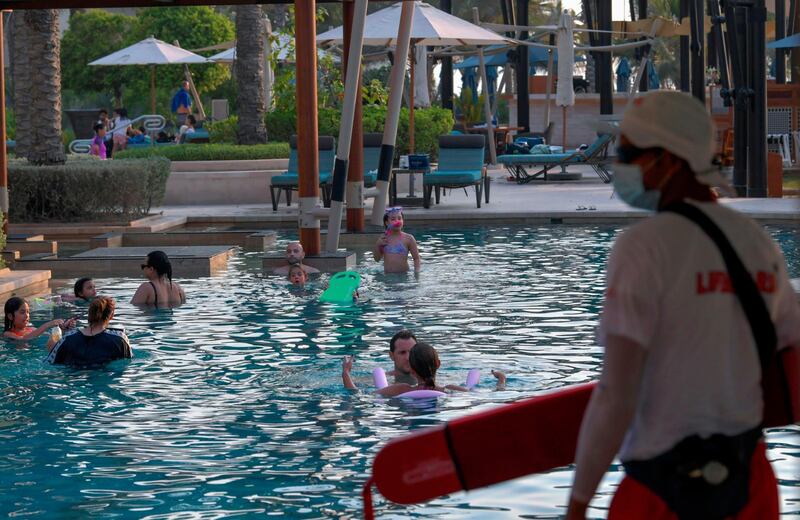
{"x":95,"y":344}
{"x":159,"y":289}
{"x":17,"y":312}
{"x":424,"y":362}
{"x":394,"y":245}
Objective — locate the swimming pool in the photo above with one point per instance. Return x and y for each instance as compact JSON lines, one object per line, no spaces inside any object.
{"x":233,"y":404}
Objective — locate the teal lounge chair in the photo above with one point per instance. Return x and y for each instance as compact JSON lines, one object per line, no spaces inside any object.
{"x":461,"y":165}
{"x":200,"y":135}
{"x":372,"y":156}
{"x":289,"y":180}
{"x":596,"y":156}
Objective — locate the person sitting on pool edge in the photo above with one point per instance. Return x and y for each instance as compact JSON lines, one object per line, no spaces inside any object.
{"x":295,"y":255}
{"x":95,"y":344}
{"x":424,"y":362}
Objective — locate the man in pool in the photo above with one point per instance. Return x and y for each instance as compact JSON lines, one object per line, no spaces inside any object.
{"x":399,"y":347}
{"x":294,"y":256}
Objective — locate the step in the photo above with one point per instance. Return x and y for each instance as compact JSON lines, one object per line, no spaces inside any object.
{"x":221,"y":166}
{"x":23,"y":282}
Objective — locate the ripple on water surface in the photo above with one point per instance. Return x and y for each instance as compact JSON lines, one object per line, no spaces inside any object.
{"x":233,"y":404}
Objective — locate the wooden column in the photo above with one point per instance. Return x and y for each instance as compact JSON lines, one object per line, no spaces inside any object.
{"x":3,"y":157}
{"x":307,"y":133}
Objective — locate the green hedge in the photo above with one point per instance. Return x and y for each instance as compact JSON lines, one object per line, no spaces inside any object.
{"x":210,"y":152}
{"x":429,"y":123}
{"x":86,"y":188}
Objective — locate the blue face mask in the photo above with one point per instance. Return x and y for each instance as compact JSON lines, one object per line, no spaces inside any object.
{"x":629,"y":186}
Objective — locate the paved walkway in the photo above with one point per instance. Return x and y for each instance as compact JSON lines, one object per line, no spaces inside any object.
{"x":570,"y":201}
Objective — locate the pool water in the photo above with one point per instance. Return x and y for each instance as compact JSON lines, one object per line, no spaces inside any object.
{"x":233,"y":404}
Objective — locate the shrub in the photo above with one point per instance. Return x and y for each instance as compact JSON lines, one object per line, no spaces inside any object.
{"x":223,"y":131}
{"x":210,"y":152}
{"x":429,"y":124}
{"x":281,"y":125}
{"x":11,"y":123}
{"x":86,"y":188}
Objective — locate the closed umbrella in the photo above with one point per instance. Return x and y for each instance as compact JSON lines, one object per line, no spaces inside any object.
{"x":150,"y":51}
{"x":623,"y":75}
{"x":229,"y":54}
{"x":565,"y":95}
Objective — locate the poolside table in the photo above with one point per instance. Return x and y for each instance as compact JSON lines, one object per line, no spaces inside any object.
{"x":411,"y":199}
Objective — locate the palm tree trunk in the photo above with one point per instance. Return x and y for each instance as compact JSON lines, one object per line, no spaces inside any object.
{"x":250,"y":70}
{"x":44,"y":84}
{"x":22,"y":81}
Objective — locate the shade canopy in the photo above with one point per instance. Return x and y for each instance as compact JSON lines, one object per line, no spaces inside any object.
{"x":149,"y":52}
{"x":229,"y":54}
{"x":537,"y":56}
{"x":430,"y":27}
{"x":789,"y":42}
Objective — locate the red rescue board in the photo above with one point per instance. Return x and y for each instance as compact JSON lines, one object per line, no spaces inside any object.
{"x":530,"y":436}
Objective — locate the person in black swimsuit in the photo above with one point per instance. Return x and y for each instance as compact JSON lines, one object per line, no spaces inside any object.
{"x":95,"y":344}
{"x":159,"y":289}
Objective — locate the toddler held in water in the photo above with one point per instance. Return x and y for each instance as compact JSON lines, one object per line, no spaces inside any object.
{"x":394,"y":245}
{"x":297,"y":275}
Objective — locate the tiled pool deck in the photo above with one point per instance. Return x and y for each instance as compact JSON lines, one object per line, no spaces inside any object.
{"x":567,"y":202}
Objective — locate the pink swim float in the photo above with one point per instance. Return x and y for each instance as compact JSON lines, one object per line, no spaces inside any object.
{"x":379,"y":378}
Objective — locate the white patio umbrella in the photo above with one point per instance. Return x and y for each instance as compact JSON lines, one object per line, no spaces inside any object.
{"x":430,"y":26}
{"x":150,"y":51}
{"x":229,"y":54}
{"x":565,"y":95}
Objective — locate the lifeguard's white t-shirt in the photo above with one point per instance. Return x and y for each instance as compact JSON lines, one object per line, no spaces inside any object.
{"x":668,"y":290}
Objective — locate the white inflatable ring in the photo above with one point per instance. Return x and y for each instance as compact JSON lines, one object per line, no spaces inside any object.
{"x":379,"y":378}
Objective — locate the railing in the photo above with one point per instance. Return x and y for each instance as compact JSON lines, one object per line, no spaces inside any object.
{"x":152,"y":123}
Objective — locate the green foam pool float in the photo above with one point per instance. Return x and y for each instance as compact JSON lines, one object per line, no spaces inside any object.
{"x":341,"y":288}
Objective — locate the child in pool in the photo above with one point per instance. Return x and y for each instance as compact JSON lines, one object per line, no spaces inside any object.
{"x":424,"y":362}
{"x":297,"y":275}
{"x":394,"y":246}
{"x":84,"y":290}
{"x":17,"y":312}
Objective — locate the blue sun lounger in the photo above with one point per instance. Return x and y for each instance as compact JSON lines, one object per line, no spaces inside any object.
{"x":372,"y":156}
{"x":289,"y":181}
{"x":461,"y":164}
{"x":595,"y":155}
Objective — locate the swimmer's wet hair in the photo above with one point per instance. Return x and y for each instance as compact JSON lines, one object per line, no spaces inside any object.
{"x":101,"y":310}
{"x":78,"y":288}
{"x":12,"y":305}
{"x":295,"y":267}
{"x":424,"y":360}
{"x":402,"y":334}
